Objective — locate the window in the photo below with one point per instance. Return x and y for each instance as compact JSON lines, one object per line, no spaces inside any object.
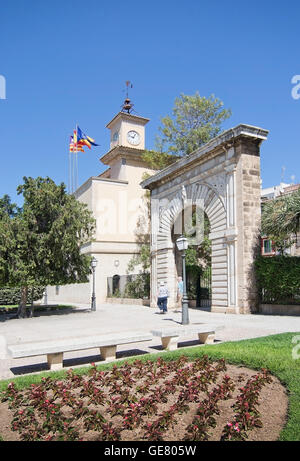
{"x":116,"y":284}
{"x":267,"y":246}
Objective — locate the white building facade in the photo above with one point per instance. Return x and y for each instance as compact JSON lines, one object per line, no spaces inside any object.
{"x":116,"y":200}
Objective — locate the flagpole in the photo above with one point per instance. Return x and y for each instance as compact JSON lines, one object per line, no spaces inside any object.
{"x":69,"y":170}
{"x":76,"y":161}
{"x":72,"y":168}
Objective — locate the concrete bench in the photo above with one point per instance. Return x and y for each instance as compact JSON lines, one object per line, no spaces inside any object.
{"x":55,"y":349}
{"x":170,"y":335}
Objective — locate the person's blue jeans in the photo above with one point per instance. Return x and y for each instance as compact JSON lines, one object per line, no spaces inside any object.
{"x":162,"y":303}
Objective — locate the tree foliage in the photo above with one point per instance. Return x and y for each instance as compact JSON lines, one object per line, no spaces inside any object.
{"x":194,"y":121}
{"x":7,"y":207}
{"x":40,"y":245}
{"x":158,"y":160}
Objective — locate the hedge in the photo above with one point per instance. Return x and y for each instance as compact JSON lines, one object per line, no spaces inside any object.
{"x":10,"y":296}
{"x":279,"y":279}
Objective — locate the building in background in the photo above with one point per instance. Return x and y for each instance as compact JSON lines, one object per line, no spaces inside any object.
{"x":116,"y":200}
{"x":271,"y":193}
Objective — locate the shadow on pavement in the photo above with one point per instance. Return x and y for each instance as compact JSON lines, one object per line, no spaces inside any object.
{"x":44,"y":312}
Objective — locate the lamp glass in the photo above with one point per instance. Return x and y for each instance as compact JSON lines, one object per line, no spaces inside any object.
{"x":182,"y":243}
{"x":94,"y":262}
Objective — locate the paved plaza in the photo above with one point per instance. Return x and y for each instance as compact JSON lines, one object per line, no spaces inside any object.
{"x":117,"y":318}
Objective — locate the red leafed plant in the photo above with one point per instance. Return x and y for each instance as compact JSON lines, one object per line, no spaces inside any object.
{"x":146,"y":397}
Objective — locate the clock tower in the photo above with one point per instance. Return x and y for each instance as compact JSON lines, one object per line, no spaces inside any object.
{"x":127,"y":130}
{"x":127,"y":144}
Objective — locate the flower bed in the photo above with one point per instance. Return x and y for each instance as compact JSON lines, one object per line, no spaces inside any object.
{"x":144,"y":400}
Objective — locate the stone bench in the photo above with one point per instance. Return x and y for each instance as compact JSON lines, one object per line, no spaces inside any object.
{"x":55,"y":349}
{"x":170,"y":335}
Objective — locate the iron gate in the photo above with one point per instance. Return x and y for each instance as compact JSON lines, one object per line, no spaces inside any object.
{"x":205,"y":289}
{"x":199,"y":287}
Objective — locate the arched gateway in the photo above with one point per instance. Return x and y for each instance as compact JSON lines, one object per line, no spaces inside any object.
{"x":222,"y":179}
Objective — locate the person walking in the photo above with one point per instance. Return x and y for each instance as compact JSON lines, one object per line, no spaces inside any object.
{"x":162,"y":299}
{"x":179,"y":291}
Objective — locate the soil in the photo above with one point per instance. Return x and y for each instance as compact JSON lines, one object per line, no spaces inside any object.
{"x":273,"y":406}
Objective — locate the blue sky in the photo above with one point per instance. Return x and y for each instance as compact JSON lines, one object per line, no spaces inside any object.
{"x":66,"y":62}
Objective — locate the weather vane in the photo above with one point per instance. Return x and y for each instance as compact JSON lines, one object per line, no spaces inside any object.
{"x":127,"y":105}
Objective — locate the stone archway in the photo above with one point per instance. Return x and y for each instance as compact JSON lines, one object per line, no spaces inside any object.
{"x":222,"y":177}
{"x":212,"y":204}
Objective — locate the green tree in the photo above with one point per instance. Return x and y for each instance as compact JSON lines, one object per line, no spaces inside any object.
{"x":40,"y":245}
{"x":8,"y":208}
{"x":158,"y":160}
{"x":281,"y":220}
{"x":194,"y":121}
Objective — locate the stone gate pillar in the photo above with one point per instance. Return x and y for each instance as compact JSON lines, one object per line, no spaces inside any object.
{"x":248,"y":220}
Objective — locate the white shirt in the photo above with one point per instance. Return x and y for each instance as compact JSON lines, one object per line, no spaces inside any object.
{"x":163,"y":292}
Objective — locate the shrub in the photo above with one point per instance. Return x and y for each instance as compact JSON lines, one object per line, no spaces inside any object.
{"x":138,"y":286}
{"x":279,"y":279}
{"x":12,"y":295}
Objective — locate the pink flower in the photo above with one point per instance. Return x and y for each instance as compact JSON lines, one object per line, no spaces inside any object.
{"x":229,"y":424}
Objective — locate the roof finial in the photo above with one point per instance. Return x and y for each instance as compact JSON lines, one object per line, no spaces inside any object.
{"x":127,"y":105}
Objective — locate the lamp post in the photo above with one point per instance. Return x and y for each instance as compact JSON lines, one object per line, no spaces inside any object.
{"x":182,"y":245}
{"x":94,"y":264}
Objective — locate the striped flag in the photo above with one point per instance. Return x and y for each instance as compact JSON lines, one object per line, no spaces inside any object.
{"x":75,"y":147}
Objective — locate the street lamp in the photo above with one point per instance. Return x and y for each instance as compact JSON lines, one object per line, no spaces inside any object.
{"x":94,"y":264}
{"x":182,"y":245}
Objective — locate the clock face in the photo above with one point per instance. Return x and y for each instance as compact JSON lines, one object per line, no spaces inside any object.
{"x":133,"y":137}
{"x":115,"y":136}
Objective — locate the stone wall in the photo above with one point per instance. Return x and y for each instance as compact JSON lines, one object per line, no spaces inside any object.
{"x":248,"y":221}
